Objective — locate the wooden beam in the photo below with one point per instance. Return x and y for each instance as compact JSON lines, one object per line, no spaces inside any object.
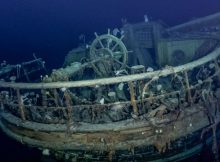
{"x":107,"y":81}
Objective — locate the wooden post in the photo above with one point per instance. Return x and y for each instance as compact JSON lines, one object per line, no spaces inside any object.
{"x":68,"y":102}
{"x":44,"y":98}
{"x":56,"y":97}
{"x":21,"y":105}
{"x":188,"y":88}
{"x":133,"y":101}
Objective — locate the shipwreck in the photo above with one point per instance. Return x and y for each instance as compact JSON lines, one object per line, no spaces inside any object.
{"x":146,"y":92}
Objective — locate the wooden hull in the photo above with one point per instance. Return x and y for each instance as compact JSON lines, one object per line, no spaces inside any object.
{"x":112,"y":139}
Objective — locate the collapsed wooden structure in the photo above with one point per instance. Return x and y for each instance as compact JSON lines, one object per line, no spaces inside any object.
{"x":23,"y":71}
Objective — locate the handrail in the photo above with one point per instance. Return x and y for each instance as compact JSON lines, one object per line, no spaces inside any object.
{"x":107,"y":81}
{"x":198,"y":21}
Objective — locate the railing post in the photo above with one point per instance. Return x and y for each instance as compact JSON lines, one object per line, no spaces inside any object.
{"x":68,"y":102}
{"x":44,"y":98}
{"x":56,"y":99}
{"x":188,"y":87}
{"x":133,"y":101}
{"x":21,"y":105}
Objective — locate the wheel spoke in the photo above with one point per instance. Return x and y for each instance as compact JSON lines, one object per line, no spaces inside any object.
{"x":108,"y":45}
{"x":113,"y":48}
{"x":109,"y":31}
{"x":100,"y":42}
{"x":109,"y":41}
{"x":118,"y":54}
{"x":122,"y":37}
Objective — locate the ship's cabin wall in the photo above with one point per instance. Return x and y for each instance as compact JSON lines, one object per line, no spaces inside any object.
{"x":141,"y":39}
{"x":155,"y":46}
{"x":176,"y":52}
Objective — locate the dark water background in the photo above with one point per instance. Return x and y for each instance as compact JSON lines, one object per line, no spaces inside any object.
{"x":50,"y":28}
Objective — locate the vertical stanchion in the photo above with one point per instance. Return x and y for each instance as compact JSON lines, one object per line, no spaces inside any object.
{"x":133,"y":101}
{"x":20,"y":104}
{"x":56,"y":97}
{"x":44,"y":98}
{"x":188,"y":87}
{"x":68,"y":102}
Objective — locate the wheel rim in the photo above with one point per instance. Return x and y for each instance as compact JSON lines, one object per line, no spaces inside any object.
{"x":108,"y":45}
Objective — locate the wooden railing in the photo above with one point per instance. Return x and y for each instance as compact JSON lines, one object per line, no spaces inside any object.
{"x":138,"y":85}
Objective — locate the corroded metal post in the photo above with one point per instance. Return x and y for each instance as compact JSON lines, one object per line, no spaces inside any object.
{"x":21,"y":105}
{"x":133,"y":101}
{"x":56,"y":97}
{"x":68,"y":102}
{"x":44,"y":98}
{"x":188,"y":87}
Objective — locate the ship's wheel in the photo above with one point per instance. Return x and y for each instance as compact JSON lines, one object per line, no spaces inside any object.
{"x":109,"y":46}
